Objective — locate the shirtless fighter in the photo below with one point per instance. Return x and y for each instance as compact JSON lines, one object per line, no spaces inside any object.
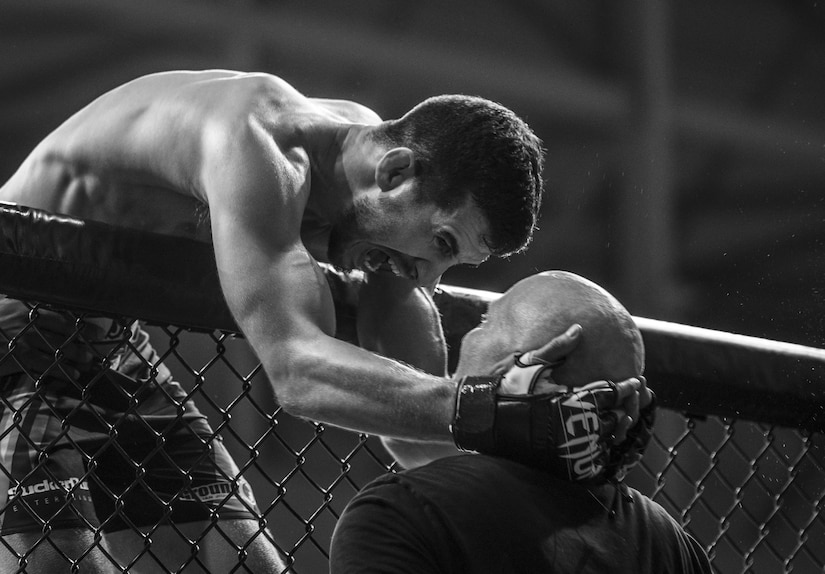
{"x":279,"y":182}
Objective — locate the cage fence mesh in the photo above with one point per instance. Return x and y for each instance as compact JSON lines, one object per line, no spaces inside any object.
{"x":751,"y":494}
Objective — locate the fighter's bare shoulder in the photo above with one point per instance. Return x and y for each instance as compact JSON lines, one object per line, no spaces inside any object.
{"x":349,"y":110}
{"x":249,"y":90}
{"x":229,"y":98}
{"x":252,"y":143}
{"x":221,"y":92}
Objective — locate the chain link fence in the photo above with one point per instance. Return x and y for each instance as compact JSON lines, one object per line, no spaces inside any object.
{"x":111,"y":398}
{"x":750,"y":493}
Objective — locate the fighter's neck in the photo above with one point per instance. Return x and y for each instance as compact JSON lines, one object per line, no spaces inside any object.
{"x":338,"y":171}
{"x":342,"y":165}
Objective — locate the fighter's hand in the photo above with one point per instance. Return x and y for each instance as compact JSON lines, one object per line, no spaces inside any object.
{"x":45,"y":343}
{"x":583,"y":427}
{"x":532,"y":373}
{"x":588,"y":434}
{"x":567,"y":433}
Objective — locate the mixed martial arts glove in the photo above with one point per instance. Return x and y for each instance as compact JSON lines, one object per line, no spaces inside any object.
{"x":565,"y":432}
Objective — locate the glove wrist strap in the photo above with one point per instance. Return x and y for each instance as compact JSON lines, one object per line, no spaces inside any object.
{"x":475,"y":414}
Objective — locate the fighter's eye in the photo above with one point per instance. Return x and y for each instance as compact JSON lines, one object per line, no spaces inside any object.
{"x":443,"y":246}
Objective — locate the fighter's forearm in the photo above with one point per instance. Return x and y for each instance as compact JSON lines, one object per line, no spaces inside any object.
{"x":280,"y":298}
{"x":337,"y":383}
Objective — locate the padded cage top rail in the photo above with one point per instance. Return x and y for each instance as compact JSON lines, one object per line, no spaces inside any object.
{"x":93,"y":267}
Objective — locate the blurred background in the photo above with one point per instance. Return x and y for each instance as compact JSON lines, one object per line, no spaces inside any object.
{"x":685,"y":169}
{"x":686,"y":140}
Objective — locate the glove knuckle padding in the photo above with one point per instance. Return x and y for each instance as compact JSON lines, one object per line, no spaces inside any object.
{"x":558,"y":432}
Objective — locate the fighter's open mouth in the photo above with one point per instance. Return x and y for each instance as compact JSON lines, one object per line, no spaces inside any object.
{"x":376,"y":261}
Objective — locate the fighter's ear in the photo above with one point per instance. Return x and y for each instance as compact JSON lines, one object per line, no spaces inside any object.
{"x":395,"y":166}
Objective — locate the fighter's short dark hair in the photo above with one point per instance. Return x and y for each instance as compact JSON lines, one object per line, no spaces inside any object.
{"x":466,"y":145}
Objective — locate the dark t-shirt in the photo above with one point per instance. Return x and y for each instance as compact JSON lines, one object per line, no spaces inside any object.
{"x":480,"y":514}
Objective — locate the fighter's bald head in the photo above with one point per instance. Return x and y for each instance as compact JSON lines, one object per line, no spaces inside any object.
{"x":543,"y":306}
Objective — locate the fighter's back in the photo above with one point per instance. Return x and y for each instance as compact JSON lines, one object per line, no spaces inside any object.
{"x":133,"y":156}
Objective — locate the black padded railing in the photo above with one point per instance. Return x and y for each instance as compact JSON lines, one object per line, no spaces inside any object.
{"x":737,"y":456}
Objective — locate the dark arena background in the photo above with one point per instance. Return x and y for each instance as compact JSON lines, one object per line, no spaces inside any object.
{"x":686,"y":174}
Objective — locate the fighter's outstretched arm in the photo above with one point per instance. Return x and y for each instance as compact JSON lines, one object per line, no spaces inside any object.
{"x":398,"y":320}
{"x":281,"y":301}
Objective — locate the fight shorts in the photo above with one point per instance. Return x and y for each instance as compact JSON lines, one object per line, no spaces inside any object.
{"x":118,"y":448}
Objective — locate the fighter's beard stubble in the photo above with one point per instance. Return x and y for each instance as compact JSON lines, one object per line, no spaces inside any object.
{"x":362,"y":221}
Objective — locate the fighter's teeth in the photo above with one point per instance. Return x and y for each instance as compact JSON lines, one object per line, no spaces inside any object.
{"x":394,"y":267}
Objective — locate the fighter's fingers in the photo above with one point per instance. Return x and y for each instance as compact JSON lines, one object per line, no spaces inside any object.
{"x":609,"y":422}
{"x":645,"y":394}
{"x":607,"y":394}
{"x":614,"y":425}
{"x":558,"y":347}
{"x":625,"y":424}
{"x":631,"y":406}
{"x":627,"y":388}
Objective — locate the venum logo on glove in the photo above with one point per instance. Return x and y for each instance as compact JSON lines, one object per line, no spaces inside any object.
{"x":567,"y":433}
{"x":580,"y":446}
